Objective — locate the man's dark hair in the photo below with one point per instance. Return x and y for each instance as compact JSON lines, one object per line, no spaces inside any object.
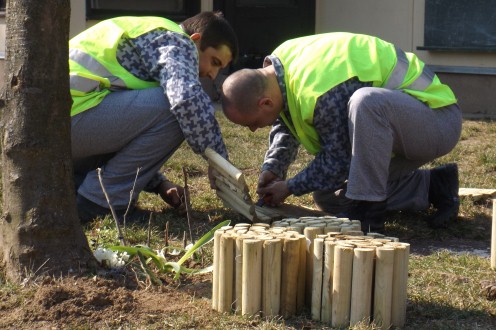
{"x":214,"y":29}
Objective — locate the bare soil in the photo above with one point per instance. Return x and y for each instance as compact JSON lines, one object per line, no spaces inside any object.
{"x":118,"y":299}
{"x":101,"y":302}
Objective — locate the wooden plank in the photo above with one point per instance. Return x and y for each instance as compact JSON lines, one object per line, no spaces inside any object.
{"x":476,"y":193}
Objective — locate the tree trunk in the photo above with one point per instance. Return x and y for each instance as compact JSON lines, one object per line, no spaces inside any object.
{"x":39,"y":229}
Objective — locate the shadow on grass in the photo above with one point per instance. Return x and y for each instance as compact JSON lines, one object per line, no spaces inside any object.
{"x":428,"y":315}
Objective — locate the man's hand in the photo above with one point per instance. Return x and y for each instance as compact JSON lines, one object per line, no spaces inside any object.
{"x":275,"y":193}
{"x":272,"y":188}
{"x":265,"y":179}
{"x":172,"y":194}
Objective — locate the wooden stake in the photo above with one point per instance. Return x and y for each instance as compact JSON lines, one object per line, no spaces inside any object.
{"x":238,"y":273}
{"x":271,"y":284}
{"x":252,"y":277}
{"x":318,"y":253}
{"x":310,"y":234}
{"x":238,"y":204}
{"x":341,"y":285}
{"x":383,"y":288}
{"x":230,"y":189}
{"x":400,"y":282}
{"x":493,"y":237}
{"x":226,"y":273}
{"x":215,"y":277}
{"x":302,"y":268}
{"x":326,"y":312}
{"x":225,"y":168}
{"x":289,"y":276}
{"x":361,"y":287}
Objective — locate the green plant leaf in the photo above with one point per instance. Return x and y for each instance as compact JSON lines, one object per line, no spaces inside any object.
{"x":174,"y":266}
{"x":143,"y":249}
{"x":202,"y":241}
{"x":153,"y":278}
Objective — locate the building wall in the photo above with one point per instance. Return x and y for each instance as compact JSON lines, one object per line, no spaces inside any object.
{"x":472,"y":76}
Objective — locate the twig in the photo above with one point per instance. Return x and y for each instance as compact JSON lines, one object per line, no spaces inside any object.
{"x":148,"y":239}
{"x":167,"y":233}
{"x":184,"y":240}
{"x":121,"y":236}
{"x":131,"y":193}
{"x":187,"y":203}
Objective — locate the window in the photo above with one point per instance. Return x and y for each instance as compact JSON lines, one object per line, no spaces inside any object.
{"x":176,"y":10}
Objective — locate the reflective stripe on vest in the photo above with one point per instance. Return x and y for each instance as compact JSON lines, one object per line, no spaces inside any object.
{"x":87,"y":85}
{"x":400,"y":70}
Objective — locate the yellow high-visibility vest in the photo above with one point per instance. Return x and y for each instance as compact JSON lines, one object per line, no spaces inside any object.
{"x":94,"y":69}
{"x":315,"y":64}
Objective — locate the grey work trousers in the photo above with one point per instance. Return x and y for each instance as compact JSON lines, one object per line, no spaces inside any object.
{"x":128,"y":130}
{"x":392,"y":134}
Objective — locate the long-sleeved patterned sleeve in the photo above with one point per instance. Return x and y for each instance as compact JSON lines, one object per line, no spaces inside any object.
{"x":283,"y":149}
{"x":172,"y":59}
{"x":330,"y":167}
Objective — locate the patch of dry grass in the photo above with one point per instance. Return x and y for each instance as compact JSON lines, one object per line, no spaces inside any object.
{"x":444,"y":288}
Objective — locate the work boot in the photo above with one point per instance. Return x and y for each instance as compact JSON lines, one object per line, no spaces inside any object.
{"x":443,"y":195}
{"x":87,"y":211}
{"x":333,"y":202}
{"x":371,"y":215}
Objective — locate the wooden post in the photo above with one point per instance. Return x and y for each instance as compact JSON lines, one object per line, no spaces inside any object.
{"x":215,"y":275}
{"x":238,"y":204}
{"x":326,"y":312}
{"x":493,"y":237}
{"x":310,"y":234}
{"x":238,"y":273}
{"x":225,"y":168}
{"x":400,"y":282}
{"x":252,"y":277}
{"x":361,"y":287}
{"x":302,"y":269}
{"x":289,"y":276}
{"x":271,"y":283}
{"x":226,"y":273}
{"x":341,"y":285}
{"x":383,"y":288}
{"x":318,"y":253}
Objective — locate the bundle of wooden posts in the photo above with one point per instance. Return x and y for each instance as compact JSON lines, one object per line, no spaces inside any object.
{"x":328,"y":224}
{"x":359,"y":279}
{"x":231,"y":185}
{"x":234,"y":192}
{"x":342,"y":279}
{"x":258,"y":269}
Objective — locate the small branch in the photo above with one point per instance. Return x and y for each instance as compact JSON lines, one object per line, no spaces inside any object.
{"x":114,"y":215}
{"x":148,"y":239}
{"x":131,"y":193}
{"x":167,"y":234}
{"x":187,"y":203}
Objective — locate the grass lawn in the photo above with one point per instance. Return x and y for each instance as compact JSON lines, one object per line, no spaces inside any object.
{"x":445,"y":288}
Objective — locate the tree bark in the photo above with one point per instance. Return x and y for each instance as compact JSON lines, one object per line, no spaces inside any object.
{"x":40,"y":231}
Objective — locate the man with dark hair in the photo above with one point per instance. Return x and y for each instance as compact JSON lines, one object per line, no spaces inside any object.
{"x":371,"y":115}
{"x":136,"y":97}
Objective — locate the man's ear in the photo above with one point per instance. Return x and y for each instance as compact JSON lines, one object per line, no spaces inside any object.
{"x":195,"y":37}
{"x":266,"y":103}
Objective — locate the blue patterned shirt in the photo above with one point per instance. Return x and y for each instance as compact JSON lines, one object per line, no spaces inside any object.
{"x":330,"y":167}
{"x":172,"y":59}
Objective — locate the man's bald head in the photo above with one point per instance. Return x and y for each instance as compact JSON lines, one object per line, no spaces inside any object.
{"x":242,"y":90}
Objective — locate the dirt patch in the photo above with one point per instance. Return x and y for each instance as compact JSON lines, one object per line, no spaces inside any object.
{"x":96,"y":302}
{"x":119,"y":301}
